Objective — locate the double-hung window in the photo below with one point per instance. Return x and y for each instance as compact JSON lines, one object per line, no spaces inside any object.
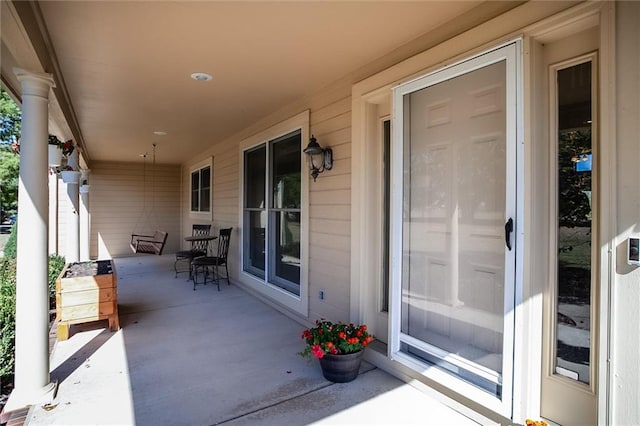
{"x":272,"y":211}
{"x":201,"y":189}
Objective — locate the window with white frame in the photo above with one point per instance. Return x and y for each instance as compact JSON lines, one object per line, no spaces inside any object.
{"x":201,"y":189}
{"x":272,"y":211}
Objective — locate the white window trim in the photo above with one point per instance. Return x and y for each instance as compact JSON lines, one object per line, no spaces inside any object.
{"x":298,"y":304}
{"x":199,"y":215}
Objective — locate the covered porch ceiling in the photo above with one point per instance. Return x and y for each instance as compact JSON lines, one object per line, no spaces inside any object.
{"x":123,"y":69}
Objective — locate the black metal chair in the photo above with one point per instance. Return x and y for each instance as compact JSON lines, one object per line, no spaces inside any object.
{"x":205,"y":263}
{"x":198,"y":248}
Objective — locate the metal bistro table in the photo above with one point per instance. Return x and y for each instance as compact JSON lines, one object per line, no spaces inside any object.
{"x":196,"y":238}
{"x":208,"y":238}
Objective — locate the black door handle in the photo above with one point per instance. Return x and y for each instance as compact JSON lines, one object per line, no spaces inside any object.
{"x":508,"y":229}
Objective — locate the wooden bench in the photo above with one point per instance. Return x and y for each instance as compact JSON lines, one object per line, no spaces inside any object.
{"x":150,"y":244}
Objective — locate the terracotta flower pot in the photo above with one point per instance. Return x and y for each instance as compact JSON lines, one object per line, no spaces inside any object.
{"x":341,"y":368}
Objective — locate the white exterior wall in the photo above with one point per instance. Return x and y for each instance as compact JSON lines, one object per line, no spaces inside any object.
{"x":625,"y":404}
{"x":117,"y":197}
{"x":329,"y":200}
{"x":117,"y":191}
{"x":330,"y":214}
{"x":330,"y":239}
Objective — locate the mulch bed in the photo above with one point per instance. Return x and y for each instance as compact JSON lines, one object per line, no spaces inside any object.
{"x":87,"y":269}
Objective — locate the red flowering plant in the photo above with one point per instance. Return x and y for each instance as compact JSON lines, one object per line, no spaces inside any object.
{"x":336,"y":339}
{"x":66,"y":147}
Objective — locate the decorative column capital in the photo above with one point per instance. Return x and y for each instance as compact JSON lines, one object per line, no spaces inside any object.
{"x":34,"y":84}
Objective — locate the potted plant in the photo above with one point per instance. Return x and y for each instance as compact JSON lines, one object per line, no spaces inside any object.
{"x":84,"y":186}
{"x":57,"y":149}
{"x":530,"y":422}
{"x":69,"y":175}
{"x":339,"y":348}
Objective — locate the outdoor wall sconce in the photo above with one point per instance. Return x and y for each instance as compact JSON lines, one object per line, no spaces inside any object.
{"x":320,"y":159}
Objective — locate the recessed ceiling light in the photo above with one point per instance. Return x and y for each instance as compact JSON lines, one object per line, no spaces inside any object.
{"x":201,"y":76}
{"x":160,"y":133}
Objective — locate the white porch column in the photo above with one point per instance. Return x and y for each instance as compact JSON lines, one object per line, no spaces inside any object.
{"x":72,"y":181}
{"x":85,"y":222}
{"x":53,"y":214}
{"x":32,"y":293}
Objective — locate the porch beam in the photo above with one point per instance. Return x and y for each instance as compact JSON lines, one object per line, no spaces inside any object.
{"x":35,"y":26}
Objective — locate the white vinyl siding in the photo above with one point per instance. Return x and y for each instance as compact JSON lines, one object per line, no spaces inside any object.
{"x":118,"y":196}
{"x":330,"y":213}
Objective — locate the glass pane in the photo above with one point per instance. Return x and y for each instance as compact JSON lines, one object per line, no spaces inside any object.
{"x":286,"y":172}
{"x":386,"y":209}
{"x":195,"y":191}
{"x":254,"y":254}
{"x":575,"y":161}
{"x":195,"y":180}
{"x":453,"y":223}
{"x":205,"y":177}
{"x":287,"y":249}
{"x":195,"y":201}
{"x":205,"y":185}
{"x":205,"y":199}
{"x":254,"y":172}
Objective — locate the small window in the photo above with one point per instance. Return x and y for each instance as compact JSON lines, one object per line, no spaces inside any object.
{"x":201,"y":190}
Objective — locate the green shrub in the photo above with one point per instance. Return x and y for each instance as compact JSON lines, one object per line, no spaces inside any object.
{"x":8,"y":308}
{"x":56,"y":263}
{"x":7,"y":315}
{"x":10,"y":249}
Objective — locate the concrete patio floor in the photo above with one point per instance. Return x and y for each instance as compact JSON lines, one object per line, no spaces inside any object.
{"x":205,"y":357}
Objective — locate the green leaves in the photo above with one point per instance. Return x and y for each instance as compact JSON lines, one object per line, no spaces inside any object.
{"x":335,"y":338}
{"x":8,"y":308}
{"x":9,"y":168}
{"x":7,"y":315}
{"x":10,"y":119}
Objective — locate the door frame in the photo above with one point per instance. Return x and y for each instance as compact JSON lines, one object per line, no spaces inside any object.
{"x":551,"y":302}
{"x":536,"y":24}
{"x":556,"y":28}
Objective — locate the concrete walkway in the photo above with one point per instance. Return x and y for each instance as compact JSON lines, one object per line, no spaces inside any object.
{"x":205,"y":357}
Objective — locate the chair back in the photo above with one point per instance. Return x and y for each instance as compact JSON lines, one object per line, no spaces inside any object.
{"x":223,"y":243}
{"x":200,"y":231}
{"x":160,"y":238}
